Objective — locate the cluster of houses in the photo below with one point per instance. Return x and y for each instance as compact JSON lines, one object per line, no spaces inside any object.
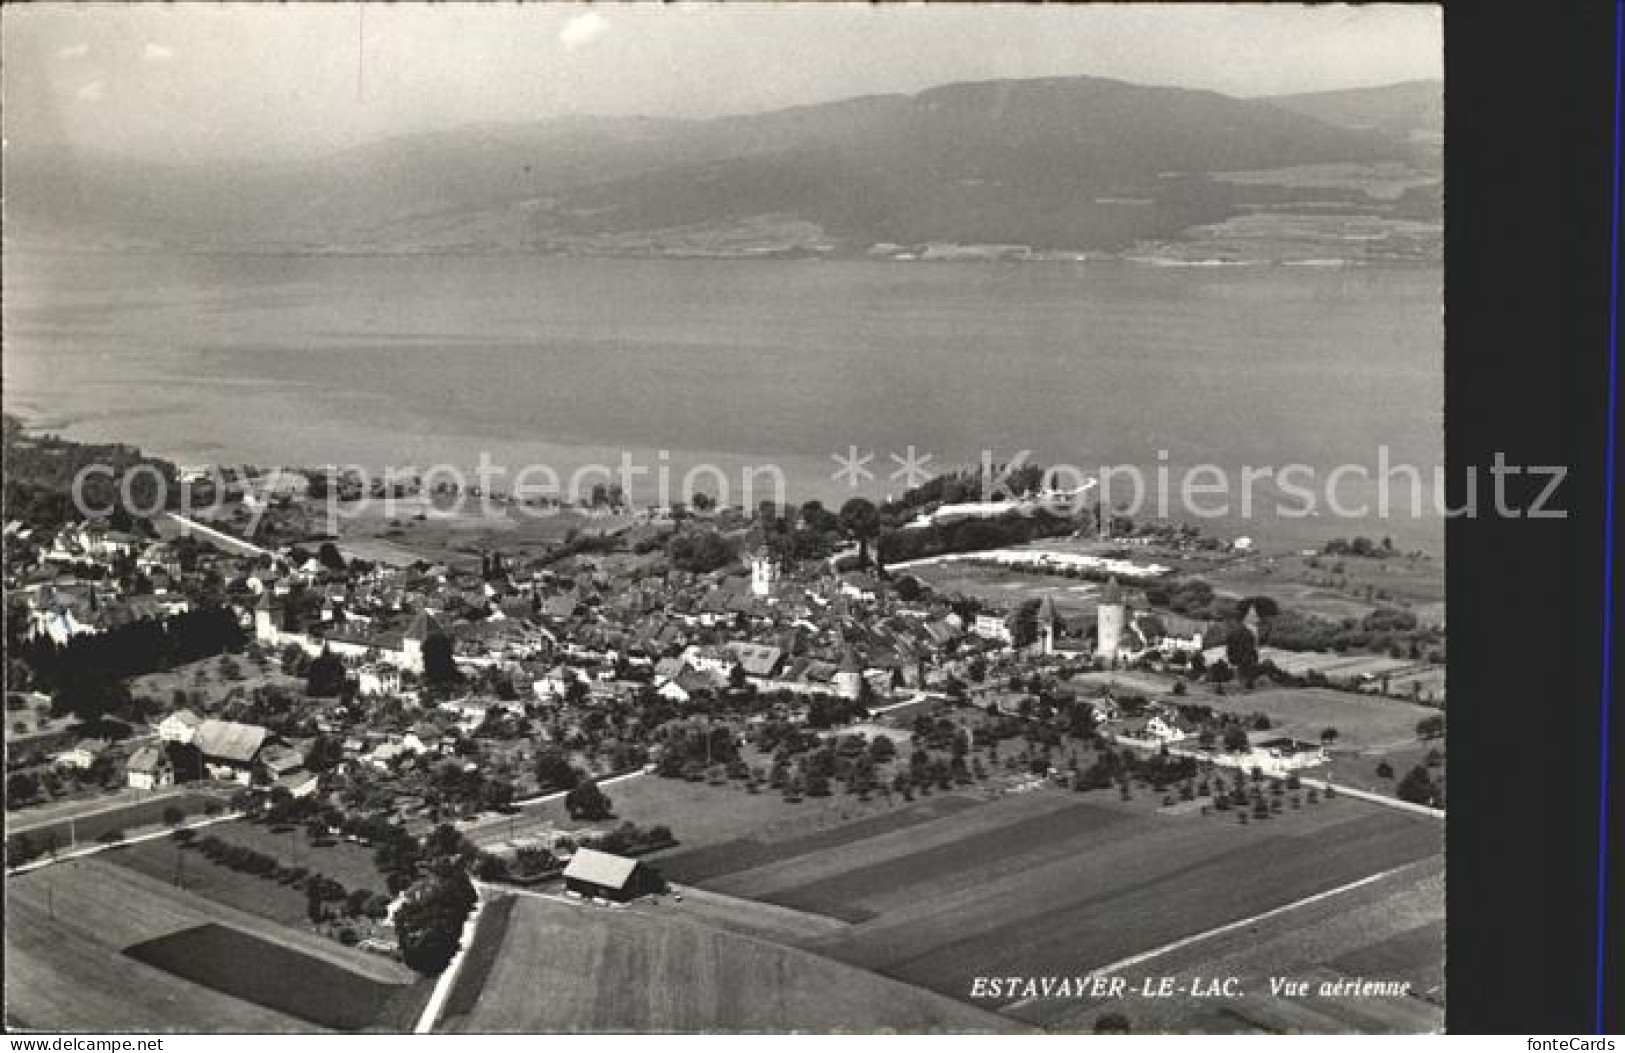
{"x":190,"y":747}
{"x":62,"y":576}
{"x":581,"y":631}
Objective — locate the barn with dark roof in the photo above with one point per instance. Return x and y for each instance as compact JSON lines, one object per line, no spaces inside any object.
{"x":603,"y":875}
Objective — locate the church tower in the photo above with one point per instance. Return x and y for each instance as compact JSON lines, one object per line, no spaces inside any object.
{"x":422,"y":627}
{"x":1110,"y":616}
{"x":1251,"y":622}
{"x":1048,"y":621}
{"x":849,"y":677}
{"x":266,"y":620}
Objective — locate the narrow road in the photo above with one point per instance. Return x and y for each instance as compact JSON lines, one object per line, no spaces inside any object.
{"x":60,"y":812}
{"x":486,"y":822}
{"x":218,"y":538}
{"x":99,"y":846}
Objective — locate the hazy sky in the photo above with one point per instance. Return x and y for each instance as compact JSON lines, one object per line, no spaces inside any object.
{"x":251,"y":80}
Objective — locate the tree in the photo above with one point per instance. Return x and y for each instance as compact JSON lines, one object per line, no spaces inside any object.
{"x":1385,"y":770}
{"x":1235,"y":738}
{"x":1024,"y":624}
{"x":21,"y":788}
{"x":173,"y":816}
{"x":330,"y":557}
{"x":1328,"y":736}
{"x":498,"y":795}
{"x":1417,"y":787}
{"x":429,"y":923}
{"x":356,"y":902}
{"x":1429,"y":728}
{"x":860,"y":520}
{"x":325,"y":752}
{"x":1241,"y":651}
{"x":1112,"y":1024}
{"x":554,"y":771}
{"x":439,"y":668}
{"x":325,"y":677}
{"x":587,"y":802}
{"x":819,"y":519}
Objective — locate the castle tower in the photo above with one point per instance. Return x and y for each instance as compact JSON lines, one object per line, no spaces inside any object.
{"x":764,"y":574}
{"x":1110,"y":616}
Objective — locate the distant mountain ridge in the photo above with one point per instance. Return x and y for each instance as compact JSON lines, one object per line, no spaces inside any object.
{"x":1065,"y":163}
{"x":1409,"y":110}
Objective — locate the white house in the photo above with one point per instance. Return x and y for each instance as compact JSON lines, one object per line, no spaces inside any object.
{"x":1167,"y":728}
{"x":472,"y":712}
{"x":992,"y":627}
{"x":81,"y":755}
{"x":1275,"y":754}
{"x":554,"y":683}
{"x":377,"y":679}
{"x":179,"y":727}
{"x":709,"y":659}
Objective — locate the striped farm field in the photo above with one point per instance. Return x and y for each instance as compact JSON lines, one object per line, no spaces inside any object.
{"x":1057,"y":883}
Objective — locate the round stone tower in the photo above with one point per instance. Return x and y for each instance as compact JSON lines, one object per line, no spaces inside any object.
{"x":1110,"y":616}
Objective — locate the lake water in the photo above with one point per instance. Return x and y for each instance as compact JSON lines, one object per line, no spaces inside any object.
{"x":419,"y":360}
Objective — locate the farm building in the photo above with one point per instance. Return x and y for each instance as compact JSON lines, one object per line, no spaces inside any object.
{"x":606,"y":876}
{"x":150,"y":768}
{"x":229,"y":749}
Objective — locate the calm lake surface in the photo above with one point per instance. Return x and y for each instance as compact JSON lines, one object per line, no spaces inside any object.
{"x":421,"y":360}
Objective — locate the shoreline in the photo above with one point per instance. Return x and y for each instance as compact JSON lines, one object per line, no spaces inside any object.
{"x":1073,"y":258}
{"x":504,"y":505}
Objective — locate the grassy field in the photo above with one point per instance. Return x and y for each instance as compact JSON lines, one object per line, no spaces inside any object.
{"x":1007,"y":587}
{"x":1363,"y":722}
{"x":565,"y":967}
{"x":256,"y":970}
{"x":699,"y":814}
{"x":162,"y":859}
{"x":1359,"y":770}
{"x":1416,"y":585}
{"x":696,"y":864}
{"x":454,"y":536}
{"x":207,"y":682}
{"x":67,"y":926}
